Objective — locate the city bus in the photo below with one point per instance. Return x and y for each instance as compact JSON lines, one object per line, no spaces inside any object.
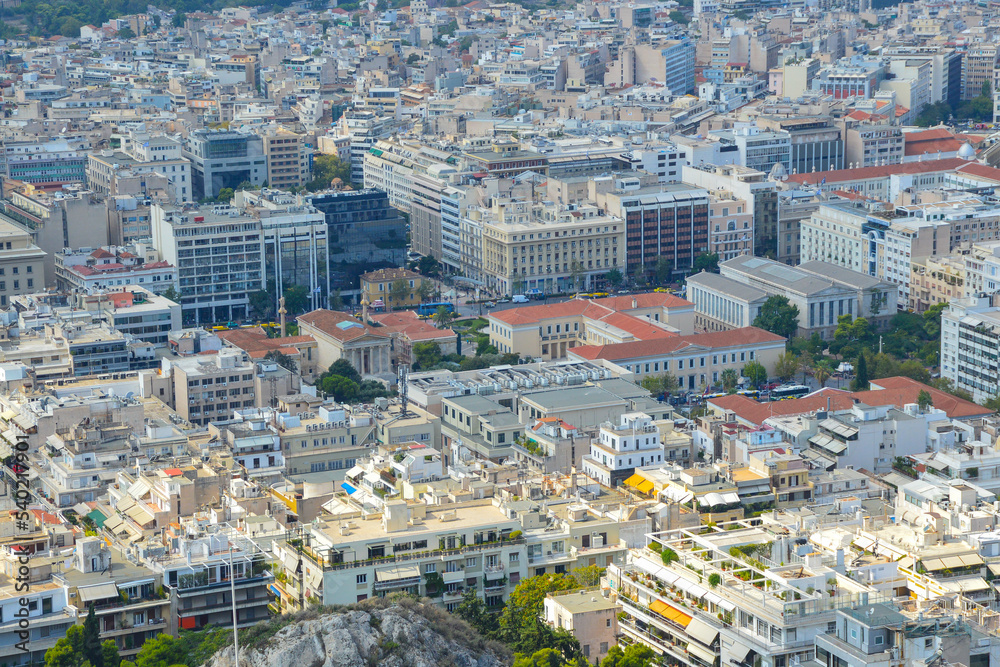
{"x":789,"y":391}
{"x":431,"y":308}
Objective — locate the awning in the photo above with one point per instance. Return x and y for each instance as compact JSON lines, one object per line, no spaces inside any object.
{"x":97,"y":517}
{"x":634,"y":481}
{"x":645,"y":486}
{"x":676,"y":494}
{"x":701,"y":653}
{"x":140,"y":514}
{"x":8,"y":415}
{"x":702,"y":631}
{"x":713,"y":598}
{"x":965,"y":584}
{"x":355,"y":471}
{"x":738,"y":652}
{"x":98,"y":592}
{"x":727,"y":605}
{"x":670,"y":613}
{"x":395,"y":573}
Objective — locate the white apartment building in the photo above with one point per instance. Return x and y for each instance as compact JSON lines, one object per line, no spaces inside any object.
{"x":143,"y":155}
{"x":620,"y":448}
{"x":970,"y":346}
{"x":218,"y":255}
{"x":364,"y":128}
{"x":390,"y":165}
{"x":90,"y":270}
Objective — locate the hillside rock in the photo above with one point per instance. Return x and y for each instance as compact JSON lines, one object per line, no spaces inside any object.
{"x":393,"y":636}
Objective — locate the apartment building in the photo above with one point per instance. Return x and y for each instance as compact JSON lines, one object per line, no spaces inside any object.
{"x":91,"y":270}
{"x":326,"y":439}
{"x":730,"y":231}
{"x":286,"y":158}
{"x":858,"y":76}
{"x":210,"y":387}
{"x":125,"y":596}
{"x":49,"y":617}
{"x":815,"y":143}
{"x":112,"y":172}
{"x":21,"y":263}
{"x":935,"y":280}
{"x":442,"y":551}
{"x":219,"y":258}
{"x":873,"y":146}
{"x":197,"y":571}
{"x":978,"y":65}
{"x":364,"y":127}
{"x":47,"y":163}
{"x":85,"y":458}
{"x":379,"y":285}
{"x":620,"y":448}
{"x":392,"y":164}
{"x":970,"y":331}
{"x":550,"y":248}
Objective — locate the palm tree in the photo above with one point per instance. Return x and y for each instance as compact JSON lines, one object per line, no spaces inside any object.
{"x":822,"y":373}
{"x":729,"y":379}
{"x":443,"y":317}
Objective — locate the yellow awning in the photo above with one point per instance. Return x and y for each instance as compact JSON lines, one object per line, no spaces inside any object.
{"x":8,"y":415}
{"x":645,"y":486}
{"x":635,"y":481}
{"x":670,"y":613}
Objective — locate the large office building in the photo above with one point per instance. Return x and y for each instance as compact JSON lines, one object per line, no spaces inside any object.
{"x":667,"y":221}
{"x":815,"y":142}
{"x":364,"y":233}
{"x":219,"y":257}
{"x":224,"y":159}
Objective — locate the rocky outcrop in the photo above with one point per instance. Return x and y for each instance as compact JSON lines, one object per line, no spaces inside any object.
{"x":371,"y":635}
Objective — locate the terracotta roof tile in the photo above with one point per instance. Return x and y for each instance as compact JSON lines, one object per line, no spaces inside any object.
{"x":668,"y":345}
{"x":841,"y":175}
{"x":327,"y":321}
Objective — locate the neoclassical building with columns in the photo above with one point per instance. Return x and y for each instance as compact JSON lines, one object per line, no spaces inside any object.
{"x":341,"y":336}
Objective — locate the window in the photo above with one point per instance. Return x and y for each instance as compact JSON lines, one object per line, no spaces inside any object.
{"x":362,"y":579}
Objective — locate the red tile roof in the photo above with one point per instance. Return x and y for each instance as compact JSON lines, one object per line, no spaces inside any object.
{"x":661,"y":346}
{"x":896,"y":391}
{"x":980,"y":170}
{"x":327,"y":321}
{"x":841,"y":175}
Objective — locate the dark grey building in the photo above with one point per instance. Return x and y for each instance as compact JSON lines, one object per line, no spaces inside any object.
{"x":224,"y":159}
{"x":816,"y":142}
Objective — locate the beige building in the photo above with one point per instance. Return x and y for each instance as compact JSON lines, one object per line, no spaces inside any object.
{"x":935,"y":280}
{"x":287,"y":159}
{"x":588,"y":616}
{"x":340,"y":336}
{"x":730,"y":229}
{"x":696,"y":361}
{"x":551,"y":248}
{"x":550,"y":331}
{"x":21,"y":263}
{"x":378,"y":286}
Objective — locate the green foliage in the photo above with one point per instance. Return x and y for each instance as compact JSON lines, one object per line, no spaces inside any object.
{"x":343,"y":368}
{"x":426,"y":356}
{"x":706,"y":261}
{"x":261,"y":305}
{"x":635,"y":655}
{"x":398,"y":291}
{"x":729,"y":378}
{"x":413,"y":58}
{"x":296,"y":299}
{"x":342,"y":389}
{"x":755,"y":372}
{"x":473,"y":611}
{"x":924,"y":399}
{"x":588,"y":576}
{"x":668,"y":555}
{"x":226,"y":195}
{"x":786,"y":366}
{"x":428,"y":266}
{"x":778,"y":316}
{"x":714,"y":579}
{"x":126,"y":33}
{"x":660,"y":384}
{"x":443,"y":317}
{"x":663,"y":270}
{"x":614,"y":278}
{"x":860,"y":381}
{"x":679,"y":17}
{"x":325,"y":169}
{"x":172,"y":294}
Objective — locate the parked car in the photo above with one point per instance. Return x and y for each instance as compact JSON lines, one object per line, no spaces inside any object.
{"x":519,"y":298}
{"x":490,"y":304}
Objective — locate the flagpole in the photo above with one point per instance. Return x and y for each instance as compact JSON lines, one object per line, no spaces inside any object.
{"x":232,"y":591}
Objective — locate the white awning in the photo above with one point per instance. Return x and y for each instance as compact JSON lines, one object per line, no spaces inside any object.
{"x":713,"y":598}
{"x":394,"y":573}
{"x":702,"y":631}
{"x":727,"y":605}
{"x":738,"y":652}
{"x":676,"y":494}
{"x":98,"y":592}
{"x":702,"y":653}
{"x":355,"y":471}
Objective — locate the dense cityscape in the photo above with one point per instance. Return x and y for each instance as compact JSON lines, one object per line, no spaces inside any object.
{"x":536,"y":334}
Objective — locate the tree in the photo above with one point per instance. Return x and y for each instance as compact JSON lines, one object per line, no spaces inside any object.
{"x":660,"y":384}
{"x":547,"y":657}
{"x":336,"y":301}
{"x":426,"y":355}
{"x":92,"y":639}
{"x":429,"y":266}
{"x":924,"y":400}
{"x":325,"y":169}
{"x":786,"y":366}
{"x":860,"y":381}
{"x":730,"y":378}
{"x":226,"y":195}
{"x":413,"y":58}
{"x":755,"y":372}
{"x":634,"y":655}
{"x":614,"y":278}
{"x":296,"y":299}
{"x":473,"y":611}
{"x":126,"y":33}
{"x":822,"y":373}
{"x":68,"y":651}
{"x":369,"y":390}
{"x":172,"y":294}
{"x":663,"y":271}
{"x":261,"y":305}
{"x":706,"y":261}
{"x":588,"y":576}
{"x":343,"y":368}
{"x":679,"y":17}
{"x":425,"y":290}
{"x":282,"y":360}
{"x":178,"y":20}
{"x":639,"y":275}
{"x":443,"y":317}
{"x":778,"y":316}
{"x":525,"y":604}
{"x":398,"y":291}
{"x":342,"y":389}
{"x":576,"y":274}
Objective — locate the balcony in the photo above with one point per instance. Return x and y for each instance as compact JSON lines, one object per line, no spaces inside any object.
{"x":493,"y":571}
{"x":129,"y":628}
{"x":454,"y":576}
